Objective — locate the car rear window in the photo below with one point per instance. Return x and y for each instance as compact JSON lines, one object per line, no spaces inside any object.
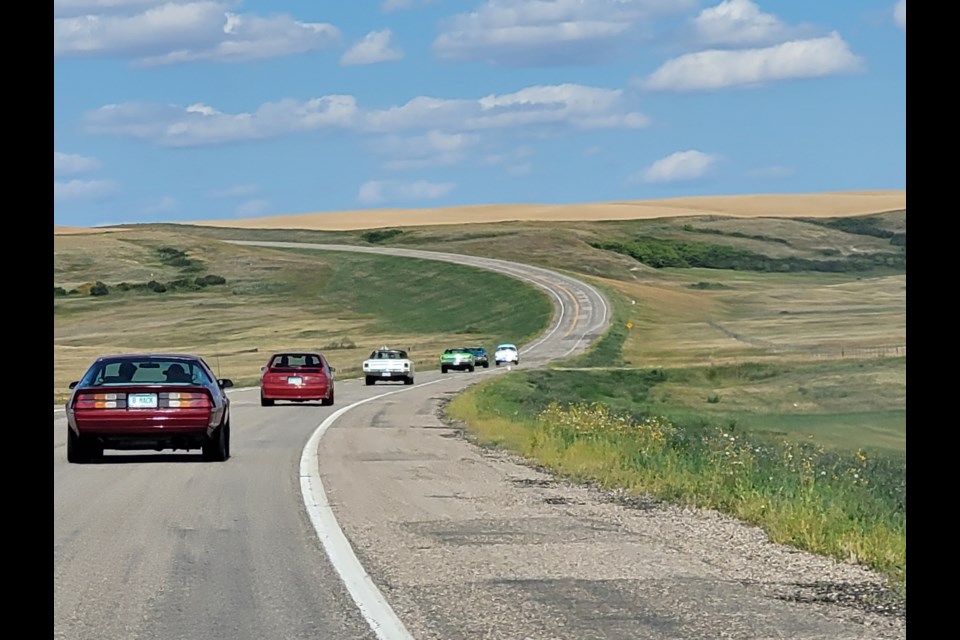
{"x":292,"y":360}
{"x":146,"y":371}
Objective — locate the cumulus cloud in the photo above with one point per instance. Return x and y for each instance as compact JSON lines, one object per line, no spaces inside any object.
{"x":737,"y":22}
{"x":68,"y":163}
{"x":900,"y":14}
{"x":546,"y":32}
{"x":161,"y":33}
{"x":435,"y":148}
{"x":679,"y":166}
{"x":253,"y":208}
{"x":719,"y":69}
{"x":382,"y":191}
{"x":236,"y":191}
{"x":373,"y":48}
{"x":201,"y":124}
{"x":82,"y":190}
{"x":567,"y":105}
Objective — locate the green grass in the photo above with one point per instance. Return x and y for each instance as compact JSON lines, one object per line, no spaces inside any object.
{"x":346,"y":304}
{"x":850,"y":505}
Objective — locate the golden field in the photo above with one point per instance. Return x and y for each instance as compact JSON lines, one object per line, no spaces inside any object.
{"x":814,"y":205}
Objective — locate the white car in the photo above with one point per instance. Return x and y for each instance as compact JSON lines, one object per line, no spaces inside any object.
{"x":386,"y":364}
{"x":506,"y":353}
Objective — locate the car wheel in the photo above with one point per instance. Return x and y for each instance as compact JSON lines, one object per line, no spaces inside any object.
{"x":77,"y":452}
{"x":217,"y":448}
{"x":443,"y":369}
{"x":486,"y":365}
{"x":408,"y":380}
{"x":370,"y":381}
{"x":328,"y":401}
{"x":470,"y":368}
{"x":264,"y":402}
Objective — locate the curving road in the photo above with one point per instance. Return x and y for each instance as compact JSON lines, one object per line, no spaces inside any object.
{"x":162,"y":546}
{"x":374,"y":519}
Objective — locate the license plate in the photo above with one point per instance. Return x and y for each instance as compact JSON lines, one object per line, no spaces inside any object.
{"x":142,"y":401}
{"x":295,"y":380}
{"x":385,"y":374}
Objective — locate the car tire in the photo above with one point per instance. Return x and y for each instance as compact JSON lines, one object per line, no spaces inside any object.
{"x":443,"y":369}
{"x":471,"y":368}
{"x":328,"y":401}
{"x":78,"y":451}
{"x":408,"y":380}
{"x":370,"y":381}
{"x":217,"y":448}
{"x":264,"y":402}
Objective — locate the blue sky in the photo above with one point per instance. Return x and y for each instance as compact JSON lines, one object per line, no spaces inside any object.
{"x":179,"y":110}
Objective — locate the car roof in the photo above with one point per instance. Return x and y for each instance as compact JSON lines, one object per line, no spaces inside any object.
{"x":140,"y":356}
{"x":295,"y":353}
{"x":507,"y":345}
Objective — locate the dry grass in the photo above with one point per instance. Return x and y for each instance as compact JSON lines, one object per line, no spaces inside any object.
{"x":819,"y":205}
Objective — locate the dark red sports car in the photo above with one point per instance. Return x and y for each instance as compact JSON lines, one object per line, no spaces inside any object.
{"x":297,"y":377}
{"x":148,"y":401}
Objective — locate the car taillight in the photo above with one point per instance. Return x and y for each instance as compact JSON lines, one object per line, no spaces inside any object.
{"x":101,"y":401}
{"x":185,"y":399}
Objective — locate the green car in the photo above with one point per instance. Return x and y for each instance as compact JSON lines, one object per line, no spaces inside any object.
{"x":459,"y":358}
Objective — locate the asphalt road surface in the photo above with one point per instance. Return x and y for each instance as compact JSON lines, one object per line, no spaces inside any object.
{"x":375,"y":519}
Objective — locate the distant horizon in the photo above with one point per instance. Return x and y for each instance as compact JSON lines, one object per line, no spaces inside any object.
{"x":812,"y":204}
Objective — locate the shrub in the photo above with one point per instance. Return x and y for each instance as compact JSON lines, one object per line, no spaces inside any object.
{"x":211,"y":279}
{"x":157,"y":287}
{"x":379,"y":235}
{"x":59,"y":292}
{"x":99,"y":289}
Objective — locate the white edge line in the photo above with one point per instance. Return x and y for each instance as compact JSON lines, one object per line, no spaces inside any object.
{"x":373,"y":606}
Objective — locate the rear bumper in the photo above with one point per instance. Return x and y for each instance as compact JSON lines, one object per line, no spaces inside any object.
{"x":181,"y":429}
{"x":293,"y":392}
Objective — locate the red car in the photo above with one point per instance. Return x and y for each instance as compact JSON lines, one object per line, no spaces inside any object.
{"x":297,"y":377}
{"x":148,"y":401}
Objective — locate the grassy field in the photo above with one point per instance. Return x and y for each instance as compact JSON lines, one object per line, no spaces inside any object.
{"x":343,"y":304}
{"x":773,"y":388}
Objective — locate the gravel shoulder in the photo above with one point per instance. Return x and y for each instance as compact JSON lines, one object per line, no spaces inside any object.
{"x":466,"y":542}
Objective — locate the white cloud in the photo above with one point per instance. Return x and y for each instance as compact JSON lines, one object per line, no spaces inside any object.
{"x":546,"y":32}
{"x":717,"y":69}
{"x":165,"y":204}
{"x":68,"y":163}
{"x":900,"y":14}
{"x":737,"y":22}
{"x":176,"y":32}
{"x":381,"y":191}
{"x":236,"y":191}
{"x":568,"y":105}
{"x":435,"y":148}
{"x":203,"y":125}
{"x":373,"y":48}
{"x":679,"y":166}
{"x":520,"y":169}
{"x":252,"y":208}
{"x":83,"y":190}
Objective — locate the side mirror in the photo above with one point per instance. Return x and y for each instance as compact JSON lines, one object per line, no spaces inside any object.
{"x":225,"y":383}
{"x":74,"y":383}
{"x":333,"y":369}
{"x":262,"y":369}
